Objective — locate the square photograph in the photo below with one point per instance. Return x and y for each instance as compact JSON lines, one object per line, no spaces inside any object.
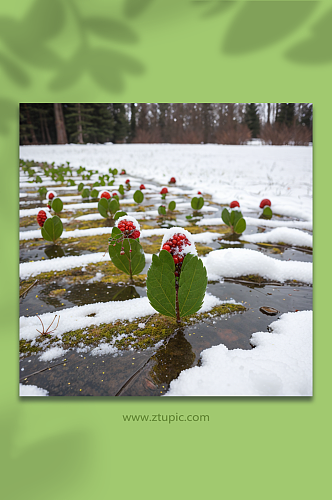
{"x":165,"y":249}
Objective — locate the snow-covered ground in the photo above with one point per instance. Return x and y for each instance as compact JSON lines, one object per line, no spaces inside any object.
{"x":280,"y":364}
{"x":244,"y":173}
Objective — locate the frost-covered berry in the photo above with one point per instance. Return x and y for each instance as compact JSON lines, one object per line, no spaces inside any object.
{"x":234,"y":204}
{"x":142,"y":187}
{"x":265,"y":203}
{"x":172,"y":180}
{"x":105,"y":194}
{"x":41,"y":217}
{"x":50,"y":195}
{"x":164,"y":190}
{"x":129,"y":228}
{"x":127,"y":181}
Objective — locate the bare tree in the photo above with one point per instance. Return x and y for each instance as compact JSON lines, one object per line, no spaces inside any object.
{"x":61,"y":133}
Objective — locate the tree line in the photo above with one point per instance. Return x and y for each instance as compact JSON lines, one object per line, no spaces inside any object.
{"x":178,"y":123}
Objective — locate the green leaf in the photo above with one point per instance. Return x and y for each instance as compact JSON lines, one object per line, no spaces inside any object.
{"x":200,"y":203}
{"x":52,"y":229}
{"x":121,"y":189}
{"x":86,"y":193}
{"x":134,"y":259}
{"x":119,"y":214}
{"x":80,"y":187}
{"x":115,"y":171}
{"x":267,"y":212}
{"x":110,"y":183}
{"x":138,"y":196}
{"x":96,"y":184}
{"x":161,"y":284}
{"x":171,"y":206}
{"x":240,"y":226}
{"x":194,"y":203}
{"x":235,"y":216}
{"x":161,"y":210}
{"x":103,"y":207}
{"x":225,"y":215}
{"x":94,"y":193}
{"x":113,"y":205}
{"x":57,"y":205}
{"x":192,"y":285}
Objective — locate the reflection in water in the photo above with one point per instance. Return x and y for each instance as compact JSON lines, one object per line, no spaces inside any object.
{"x":171,"y":359}
{"x":54,"y":251}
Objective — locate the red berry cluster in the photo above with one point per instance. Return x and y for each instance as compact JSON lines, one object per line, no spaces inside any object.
{"x":127,"y":181}
{"x":164,"y":191}
{"x":172,"y":180}
{"x":41,"y":217}
{"x":142,"y":186}
{"x":175,"y":246}
{"x":264,"y":203}
{"x":129,"y":229}
{"x":106,"y":195}
{"x":51,"y":196}
{"x":234,"y":204}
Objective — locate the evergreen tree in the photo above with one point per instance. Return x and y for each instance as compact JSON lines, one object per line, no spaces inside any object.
{"x":251,"y":118}
{"x":121,"y":125}
{"x":80,"y":123}
{"x":286,"y":113}
{"x":103,"y":123}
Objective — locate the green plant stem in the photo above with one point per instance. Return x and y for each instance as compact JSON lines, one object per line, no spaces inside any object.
{"x":178,"y":319}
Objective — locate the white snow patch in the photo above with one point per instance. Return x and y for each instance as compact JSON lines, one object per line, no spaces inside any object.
{"x":52,"y":353}
{"x":234,"y":262}
{"x":281,"y":234}
{"x":32,"y":390}
{"x":279,"y":365}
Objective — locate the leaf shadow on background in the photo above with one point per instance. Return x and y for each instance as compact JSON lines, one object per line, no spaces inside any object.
{"x":260,"y":24}
{"x":134,"y":8}
{"x":8,"y":114}
{"x":26,"y":39}
{"x":63,"y":452}
{"x":107,"y":67}
{"x":316,"y":49}
{"x":14,"y":71}
{"x":215,"y":7}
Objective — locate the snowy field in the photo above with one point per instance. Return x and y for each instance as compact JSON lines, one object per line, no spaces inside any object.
{"x":281,"y":362}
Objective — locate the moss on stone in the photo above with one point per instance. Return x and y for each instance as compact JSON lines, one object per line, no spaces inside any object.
{"x":202,"y":249}
{"x":126,"y":334}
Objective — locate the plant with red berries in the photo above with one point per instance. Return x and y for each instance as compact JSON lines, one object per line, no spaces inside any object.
{"x":267,"y":212}
{"x":197,"y":203}
{"x":108,"y":205}
{"x":123,"y":172}
{"x":234,"y":220}
{"x":51,"y":227}
{"x":177,"y":279}
{"x":234,"y":204}
{"x":172,"y":180}
{"x":124,"y":248}
{"x":163,"y":193}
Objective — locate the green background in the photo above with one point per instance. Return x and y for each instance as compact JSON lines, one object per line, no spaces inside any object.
{"x":163,"y":51}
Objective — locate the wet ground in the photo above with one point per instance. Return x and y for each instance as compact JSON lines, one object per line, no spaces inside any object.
{"x":149,"y":373}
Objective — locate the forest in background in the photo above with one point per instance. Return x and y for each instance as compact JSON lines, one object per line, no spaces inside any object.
{"x":176,"y":123}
